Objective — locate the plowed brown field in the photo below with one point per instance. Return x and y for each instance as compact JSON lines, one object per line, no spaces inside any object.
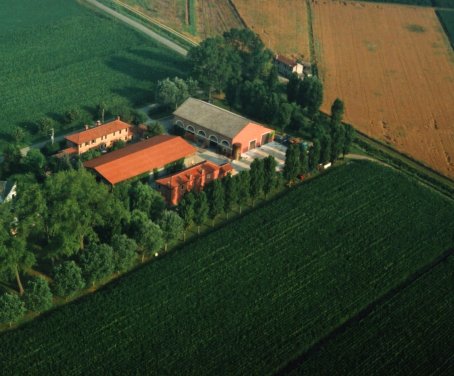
{"x":394,"y":68}
{"x":281,"y":24}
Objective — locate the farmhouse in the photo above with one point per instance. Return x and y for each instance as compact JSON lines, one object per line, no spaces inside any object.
{"x":174,"y":187}
{"x":214,"y":126}
{"x":101,"y":136}
{"x":143,"y":157}
{"x":286,"y":66}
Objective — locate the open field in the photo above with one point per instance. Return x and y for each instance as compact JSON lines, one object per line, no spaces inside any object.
{"x":394,"y":68}
{"x":281,"y":24}
{"x":61,"y":55}
{"x":426,"y":3}
{"x":248,"y":298}
{"x":416,"y":324}
{"x":211,"y":17}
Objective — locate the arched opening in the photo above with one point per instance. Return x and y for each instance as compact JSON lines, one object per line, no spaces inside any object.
{"x":213,"y":141}
{"x":225,"y":143}
{"x":190,"y":129}
{"x":179,"y":123}
{"x":202,"y":134}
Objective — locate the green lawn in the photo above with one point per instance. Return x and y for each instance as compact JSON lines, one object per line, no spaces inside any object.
{"x":413,"y":331}
{"x":252,"y":296}
{"x":57,"y":55}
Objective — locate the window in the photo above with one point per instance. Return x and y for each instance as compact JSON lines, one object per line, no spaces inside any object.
{"x":93,"y":141}
{"x":114,"y":133}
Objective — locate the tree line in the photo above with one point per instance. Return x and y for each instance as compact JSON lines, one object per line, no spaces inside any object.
{"x":86,"y":233}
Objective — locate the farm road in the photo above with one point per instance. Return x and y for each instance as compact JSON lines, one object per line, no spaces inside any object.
{"x":136,"y":25}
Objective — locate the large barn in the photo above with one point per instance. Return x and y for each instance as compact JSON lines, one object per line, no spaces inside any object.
{"x":219,"y":127}
{"x":141,"y":158}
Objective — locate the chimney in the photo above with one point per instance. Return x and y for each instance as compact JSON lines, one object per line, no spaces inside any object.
{"x":86,"y":126}
{"x":98,"y":123}
{"x":117,"y":117}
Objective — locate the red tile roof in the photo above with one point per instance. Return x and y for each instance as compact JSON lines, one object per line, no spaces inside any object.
{"x":139,"y":158}
{"x":195,"y":171}
{"x":97,"y":132}
{"x":286,"y":60}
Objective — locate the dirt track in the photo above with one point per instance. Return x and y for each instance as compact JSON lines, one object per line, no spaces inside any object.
{"x":394,"y":68}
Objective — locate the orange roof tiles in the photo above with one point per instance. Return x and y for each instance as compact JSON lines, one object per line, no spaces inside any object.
{"x":286,"y":60}
{"x":139,"y":158}
{"x":195,"y":171}
{"x":97,"y":132}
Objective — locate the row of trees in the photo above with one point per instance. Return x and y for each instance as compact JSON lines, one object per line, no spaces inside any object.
{"x":223,"y":196}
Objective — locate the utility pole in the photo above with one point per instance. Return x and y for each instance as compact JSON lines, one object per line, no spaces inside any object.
{"x":52,"y":136}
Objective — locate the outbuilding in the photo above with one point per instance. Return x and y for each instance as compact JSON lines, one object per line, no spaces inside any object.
{"x":215,"y":126}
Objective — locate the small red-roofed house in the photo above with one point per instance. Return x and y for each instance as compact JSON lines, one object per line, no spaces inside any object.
{"x":140,"y":158}
{"x":174,"y":187}
{"x":102,"y":136}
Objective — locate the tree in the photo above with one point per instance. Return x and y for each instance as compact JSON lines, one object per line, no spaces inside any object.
{"x":71,"y":116}
{"x":338,"y":137}
{"x":14,"y":255}
{"x":166,"y":93}
{"x":292,"y":165}
{"x":17,"y":134}
{"x":148,"y":235}
{"x":77,"y":206}
{"x":293,"y":86}
{"x":67,"y":279}
{"x":215,"y":195}
{"x":201,"y":209}
{"x":44,"y":126}
{"x":34,"y":162}
{"x":254,"y":58}
{"x":186,"y":211}
{"x":139,"y":117}
{"x":11,"y":309}
{"x":304,"y":161}
{"x":326,"y":143}
{"x":269,"y":167}
{"x":211,"y":63}
{"x":337,"y":112}
{"x":314,"y":155}
{"x":125,"y":252}
{"x":101,"y":110}
{"x":244,"y":181}
{"x":257,"y":175}
{"x":348,"y":139}
{"x":285,"y":115}
{"x":171,"y":225}
{"x":310,"y":94}
{"x":148,"y":200}
{"x":11,"y":159}
{"x":231,"y":190}
{"x":298,"y":121}
{"x":155,"y":129}
{"x":182,"y":91}
{"x":38,"y":296}
{"x":97,"y":262}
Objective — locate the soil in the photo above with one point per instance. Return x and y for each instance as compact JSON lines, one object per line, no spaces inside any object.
{"x":394,"y":69}
{"x":281,"y":24}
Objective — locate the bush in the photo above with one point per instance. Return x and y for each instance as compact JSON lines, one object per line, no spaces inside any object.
{"x":38,"y":296}
{"x":67,"y":279}
{"x":12,"y":309}
{"x":97,"y":262}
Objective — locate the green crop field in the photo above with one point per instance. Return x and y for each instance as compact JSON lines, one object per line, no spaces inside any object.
{"x":416,"y":325}
{"x":56,"y":55}
{"x":447,"y":19}
{"x":257,"y":293}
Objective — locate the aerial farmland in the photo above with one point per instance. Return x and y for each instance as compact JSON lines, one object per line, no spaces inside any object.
{"x":232,"y":187}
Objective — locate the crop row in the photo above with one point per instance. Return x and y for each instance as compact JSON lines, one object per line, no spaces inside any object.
{"x":250,"y":297}
{"x":410,"y":334}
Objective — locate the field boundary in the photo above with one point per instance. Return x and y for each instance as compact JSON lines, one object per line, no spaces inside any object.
{"x":310,"y":29}
{"x":445,"y":28}
{"x":404,"y":163}
{"x":366,"y":311}
{"x":235,"y":9}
